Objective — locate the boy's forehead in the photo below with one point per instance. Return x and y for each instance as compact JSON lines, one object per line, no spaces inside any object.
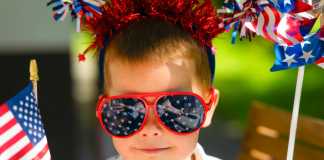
{"x":150,"y":78}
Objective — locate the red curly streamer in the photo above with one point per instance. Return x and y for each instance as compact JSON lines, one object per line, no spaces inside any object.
{"x":197,"y":18}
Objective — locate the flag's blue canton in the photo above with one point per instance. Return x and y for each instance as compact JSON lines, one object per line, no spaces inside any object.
{"x":26,"y":112}
{"x":308,"y":51}
{"x":283,"y":5}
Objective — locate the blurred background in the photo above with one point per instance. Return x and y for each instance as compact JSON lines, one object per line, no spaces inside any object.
{"x":68,"y":90}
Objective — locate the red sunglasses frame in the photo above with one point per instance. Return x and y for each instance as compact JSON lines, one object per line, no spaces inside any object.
{"x":103,"y":99}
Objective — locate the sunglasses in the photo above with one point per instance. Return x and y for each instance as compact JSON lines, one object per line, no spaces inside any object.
{"x":179,"y":112}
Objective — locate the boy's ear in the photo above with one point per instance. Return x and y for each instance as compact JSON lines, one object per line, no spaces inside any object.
{"x":214,"y":102}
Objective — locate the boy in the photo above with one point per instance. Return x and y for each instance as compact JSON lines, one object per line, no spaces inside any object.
{"x":154,"y":56}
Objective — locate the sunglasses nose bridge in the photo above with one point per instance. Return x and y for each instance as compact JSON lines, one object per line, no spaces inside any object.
{"x":150,"y":105}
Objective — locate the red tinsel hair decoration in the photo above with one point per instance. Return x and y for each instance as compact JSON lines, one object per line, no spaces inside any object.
{"x":195,"y":16}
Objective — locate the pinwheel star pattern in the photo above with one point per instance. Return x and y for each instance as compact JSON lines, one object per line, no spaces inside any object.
{"x":289,"y":59}
{"x":307,"y":55}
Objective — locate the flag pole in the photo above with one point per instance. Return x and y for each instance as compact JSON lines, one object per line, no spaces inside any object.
{"x":33,"y":70}
{"x":294,"y":119}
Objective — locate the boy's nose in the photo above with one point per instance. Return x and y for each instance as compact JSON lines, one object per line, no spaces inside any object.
{"x":152,"y":126}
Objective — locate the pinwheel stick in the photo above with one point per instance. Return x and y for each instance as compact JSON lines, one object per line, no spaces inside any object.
{"x":33,"y":70}
{"x":294,"y":119}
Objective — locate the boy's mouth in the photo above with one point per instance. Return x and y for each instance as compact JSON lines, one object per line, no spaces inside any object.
{"x":152,"y":150}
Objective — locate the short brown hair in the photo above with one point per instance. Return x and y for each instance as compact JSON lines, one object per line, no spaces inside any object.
{"x":153,"y":41}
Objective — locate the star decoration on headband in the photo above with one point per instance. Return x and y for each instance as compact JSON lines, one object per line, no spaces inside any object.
{"x":81,"y":57}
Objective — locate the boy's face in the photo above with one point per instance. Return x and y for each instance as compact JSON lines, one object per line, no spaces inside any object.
{"x":136,"y":79}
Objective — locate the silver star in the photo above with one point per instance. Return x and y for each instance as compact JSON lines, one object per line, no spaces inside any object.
{"x":275,"y":2}
{"x":307,"y":55}
{"x":289,"y":59}
{"x":303,"y":43}
{"x":21,"y":103}
{"x":287,"y":2}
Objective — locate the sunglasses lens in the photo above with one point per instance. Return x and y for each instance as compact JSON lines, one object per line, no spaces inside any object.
{"x":123,"y":116}
{"x":181,"y":113}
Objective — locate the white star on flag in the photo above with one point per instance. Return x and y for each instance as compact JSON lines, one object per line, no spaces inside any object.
{"x":182,"y":109}
{"x":275,"y":2}
{"x":125,"y":113}
{"x":303,"y":43}
{"x":122,"y":120}
{"x":115,"y":117}
{"x":289,"y":59}
{"x":119,"y":126}
{"x":185,"y":98}
{"x":172,"y":120}
{"x":178,"y":102}
{"x":287,"y":2}
{"x":175,"y":125}
{"x":135,"y":129}
{"x":125,"y":133}
{"x":130,"y":122}
{"x":118,"y":132}
{"x":187,"y":128}
{"x":139,"y":124}
{"x":112,"y":124}
{"x":189,"y":104}
{"x":166,"y":114}
{"x":142,"y":116}
{"x":307,"y":55}
{"x":118,"y":112}
{"x":127,"y":128}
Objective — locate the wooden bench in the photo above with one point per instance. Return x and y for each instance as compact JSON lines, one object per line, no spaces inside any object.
{"x":267,"y":135}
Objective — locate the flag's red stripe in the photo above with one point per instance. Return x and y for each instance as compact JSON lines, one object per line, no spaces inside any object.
{"x":320,"y":61}
{"x":265,"y":26}
{"x":41,"y":154}
{"x":22,"y":152}
{"x":3,"y":109}
{"x":8,"y":125}
{"x":12,"y":141}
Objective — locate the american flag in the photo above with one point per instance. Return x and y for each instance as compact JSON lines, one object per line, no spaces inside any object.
{"x":280,"y":28}
{"x":22,"y":136}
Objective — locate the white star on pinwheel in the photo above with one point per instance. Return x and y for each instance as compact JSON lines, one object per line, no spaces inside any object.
{"x":182,"y":109}
{"x":185,"y":98}
{"x":178,"y":102}
{"x":286,"y":2}
{"x":307,"y":55}
{"x":289,"y":59}
{"x":172,"y":120}
{"x":127,"y":128}
{"x":275,"y":2}
{"x":119,"y":126}
{"x":130,"y":122}
{"x":112,"y":124}
{"x":303,"y":43}
{"x":166,"y":114}
{"x":21,"y":103}
{"x":179,"y":118}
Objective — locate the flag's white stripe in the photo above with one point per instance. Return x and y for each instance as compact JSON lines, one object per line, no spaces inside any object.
{"x":259,"y":28}
{"x":33,"y":152}
{"x":47,"y":156}
{"x":321,"y":65}
{"x":283,"y":24}
{"x":271,"y":25}
{"x":11,"y":151}
{"x":6,"y":118}
{"x":6,"y":136}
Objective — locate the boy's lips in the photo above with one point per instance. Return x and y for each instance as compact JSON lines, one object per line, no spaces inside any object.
{"x":152,"y":150}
